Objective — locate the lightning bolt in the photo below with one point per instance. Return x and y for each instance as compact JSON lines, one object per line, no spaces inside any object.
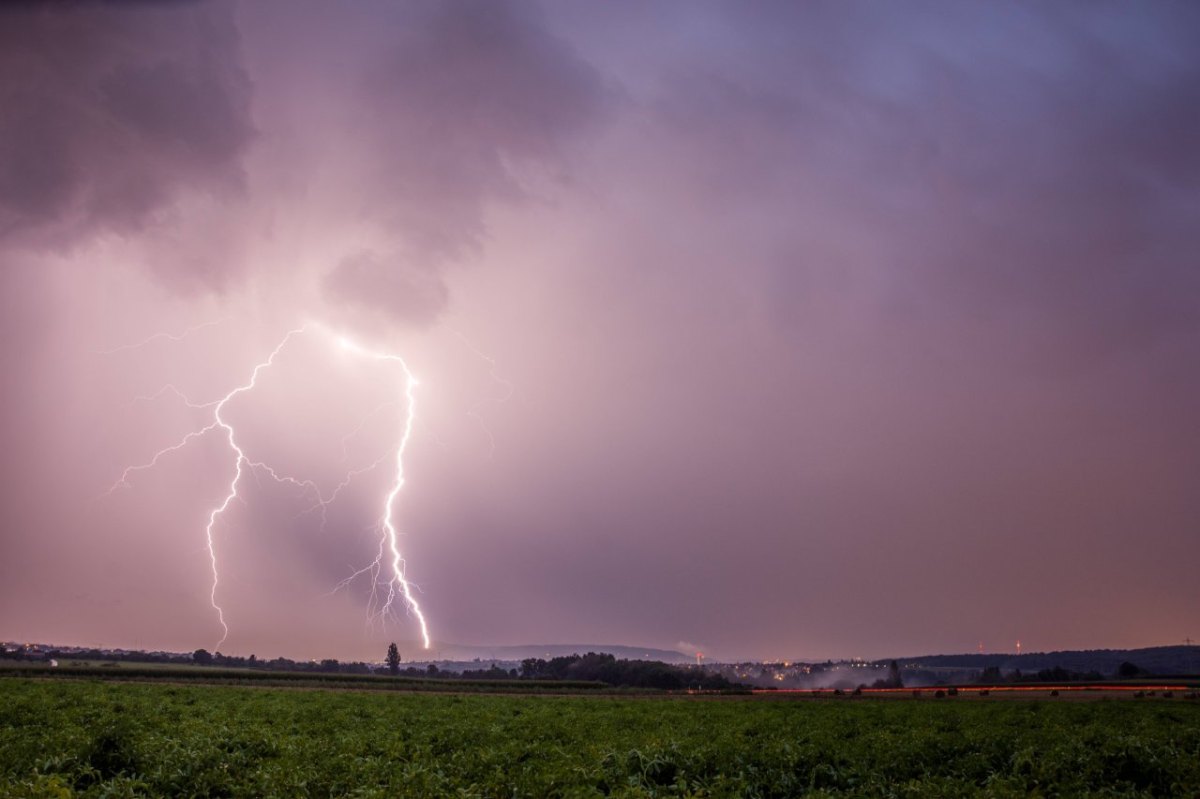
{"x":240,"y":465}
{"x":397,"y":585}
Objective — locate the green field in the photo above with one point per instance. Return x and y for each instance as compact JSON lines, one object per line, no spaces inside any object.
{"x":97,"y":738}
{"x":170,"y":672}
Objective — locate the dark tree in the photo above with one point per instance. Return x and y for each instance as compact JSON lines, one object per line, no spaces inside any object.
{"x":1128,"y":669}
{"x":393,"y":659}
{"x":202,"y":657}
{"x":893,"y":679}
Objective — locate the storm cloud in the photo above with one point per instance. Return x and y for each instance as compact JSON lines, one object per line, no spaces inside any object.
{"x":112,"y":113}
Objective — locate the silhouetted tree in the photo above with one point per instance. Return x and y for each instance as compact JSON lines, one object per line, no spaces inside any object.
{"x":202,"y":657}
{"x":393,"y":659}
{"x":894,"y":679}
{"x":1128,"y":669}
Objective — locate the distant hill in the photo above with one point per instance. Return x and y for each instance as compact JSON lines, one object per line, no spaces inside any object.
{"x":1156,"y":660}
{"x":546,"y":651}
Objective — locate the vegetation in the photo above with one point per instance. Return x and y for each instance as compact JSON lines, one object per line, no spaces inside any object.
{"x":422,"y":681}
{"x":393,"y":659}
{"x":200,"y":657}
{"x":628,"y":673}
{"x":1057,"y":675}
{"x":61,"y":738}
{"x":592,"y":669}
{"x":1159,"y":660}
{"x":893,"y":680}
{"x":1128,"y":669}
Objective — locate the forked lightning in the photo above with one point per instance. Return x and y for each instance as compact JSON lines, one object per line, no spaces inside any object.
{"x":397,"y":585}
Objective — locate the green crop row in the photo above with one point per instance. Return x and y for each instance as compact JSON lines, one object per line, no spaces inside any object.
{"x":61,"y":738}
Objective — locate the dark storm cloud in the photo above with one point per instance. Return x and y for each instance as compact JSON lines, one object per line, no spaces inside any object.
{"x":465,"y":97}
{"x":467,"y":88}
{"x":1024,"y":166}
{"x":111,"y":112}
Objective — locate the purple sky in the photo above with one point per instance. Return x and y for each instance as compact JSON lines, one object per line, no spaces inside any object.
{"x":818,"y":329}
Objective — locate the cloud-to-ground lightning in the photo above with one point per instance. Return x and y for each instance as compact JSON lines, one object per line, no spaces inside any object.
{"x":239,"y":465}
{"x":397,"y":584}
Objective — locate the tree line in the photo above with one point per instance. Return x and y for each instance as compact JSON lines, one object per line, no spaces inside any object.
{"x":605,"y":668}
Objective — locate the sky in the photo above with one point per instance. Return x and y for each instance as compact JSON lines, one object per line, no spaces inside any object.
{"x":771,"y":330}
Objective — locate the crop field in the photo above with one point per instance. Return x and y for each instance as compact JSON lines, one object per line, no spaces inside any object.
{"x":75,"y":737}
{"x":160,"y":672}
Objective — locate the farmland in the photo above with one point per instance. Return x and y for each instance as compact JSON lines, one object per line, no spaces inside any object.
{"x":97,"y":738}
{"x":158,"y":672}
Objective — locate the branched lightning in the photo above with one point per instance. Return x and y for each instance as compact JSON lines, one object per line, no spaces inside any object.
{"x":361,"y":424}
{"x":322,"y":502}
{"x":123,"y":480}
{"x":397,"y":585}
{"x":505,"y":385}
{"x":239,"y":466}
{"x":160,"y":337}
{"x":169,"y":388}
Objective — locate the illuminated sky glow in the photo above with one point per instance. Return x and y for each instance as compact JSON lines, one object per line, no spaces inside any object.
{"x":785,"y":330}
